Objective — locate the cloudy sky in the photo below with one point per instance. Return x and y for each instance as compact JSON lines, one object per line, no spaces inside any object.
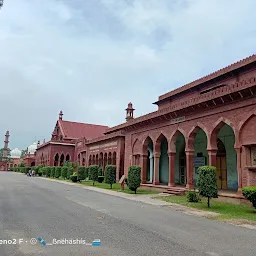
{"x":91,"y":57}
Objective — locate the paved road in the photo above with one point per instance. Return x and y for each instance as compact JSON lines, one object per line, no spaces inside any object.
{"x":33,"y":207}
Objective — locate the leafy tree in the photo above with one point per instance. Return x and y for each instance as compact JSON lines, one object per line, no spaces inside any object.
{"x":134,"y":178}
{"x":8,"y":153}
{"x":206,"y":182}
{"x":110,"y":174}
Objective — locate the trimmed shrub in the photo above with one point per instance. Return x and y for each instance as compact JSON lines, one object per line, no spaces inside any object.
{"x":70,"y":172}
{"x":110,"y":174}
{"x":86,"y":172}
{"x":93,"y":173}
{"x":73,"y":177}
{"x":64,"y":172}
{"x":206,"y":182}
{"x":48,"y":171}
{"x":250,"y":194}
{"x":80,"y":173}
{"x":40,"y":171}
{"x":193,"y":196}
{"x":134,"y":178}
{"x":57,"y":172}
{"x":53,"y":172}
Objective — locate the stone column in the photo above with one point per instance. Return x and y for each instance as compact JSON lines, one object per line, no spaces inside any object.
{"x":144,"y":160}
{"x":212,"y":157}
{"x":190,"y":169}
{"x":156,"y":168}
{"x":151,"y":166}
{"x":239,"y":170}
{"x":118,"y":158}
{"x":172,"y":156}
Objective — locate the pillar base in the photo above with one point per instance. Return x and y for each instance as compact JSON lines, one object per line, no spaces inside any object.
{"x":156,"y":183}
{"x":171,"y":185}
{"x":239,"y":192}
{"x":190,"y":186}
{"x":143,"y":182}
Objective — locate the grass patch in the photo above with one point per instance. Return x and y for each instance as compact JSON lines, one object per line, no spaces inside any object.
{"x":227,"y":210}
{"x":115,"y":187}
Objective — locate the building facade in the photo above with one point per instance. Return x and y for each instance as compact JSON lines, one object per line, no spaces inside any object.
{"x":211,"y":121}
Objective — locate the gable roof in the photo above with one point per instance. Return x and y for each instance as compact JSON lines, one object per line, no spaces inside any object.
{"x":74,"y":130}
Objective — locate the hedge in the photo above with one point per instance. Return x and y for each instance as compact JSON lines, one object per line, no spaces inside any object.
{"x":73,"y":177}
{"x":134,"y":178}
{"x":53,"y":172}
{"x":110,"y":174}
{"x":64,"y":172}
{"x":70,"y":172}
{"x":206,"y":182}
{"x":250,"y":194}
{"x":57,"y":172}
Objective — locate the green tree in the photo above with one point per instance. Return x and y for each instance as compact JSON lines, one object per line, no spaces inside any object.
{"x":250,"y":194}
{"x":206,"y":182}
{"x":81,"y":173}
{"x":134,"y":178}
{"x":110,"y":174}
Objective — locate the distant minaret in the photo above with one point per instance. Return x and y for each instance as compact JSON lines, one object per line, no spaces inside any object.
{"x":129,"y":112}
{"x":6,"y":142}
{"x":38,"y":144}
{"x":60,"y":115}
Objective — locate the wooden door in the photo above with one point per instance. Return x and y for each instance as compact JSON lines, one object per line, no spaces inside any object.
{"x":183,"y":173}
{"x":221,"y":172}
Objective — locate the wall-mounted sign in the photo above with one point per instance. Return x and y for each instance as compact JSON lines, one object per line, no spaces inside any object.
{"x":178,"y":120}
{"x":106,"y":145}
{"x":199,"y":161}
{"x":253,"y":156}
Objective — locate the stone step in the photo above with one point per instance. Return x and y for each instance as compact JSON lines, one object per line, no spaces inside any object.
{"x":175,"y":191}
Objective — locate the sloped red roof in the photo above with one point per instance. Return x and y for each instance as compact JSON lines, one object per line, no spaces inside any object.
{"x":74,"y":130}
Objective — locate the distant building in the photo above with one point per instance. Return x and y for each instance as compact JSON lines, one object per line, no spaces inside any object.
{"x":210,"y":121}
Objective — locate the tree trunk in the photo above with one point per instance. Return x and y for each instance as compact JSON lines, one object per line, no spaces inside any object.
{"x":208,"y":202}
{"x":135,"y":191}
{"x":111,"y":185}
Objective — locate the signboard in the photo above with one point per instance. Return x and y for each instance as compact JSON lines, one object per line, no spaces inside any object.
{"x":178,"y":120}
{"x":199,"y":161}
{"x":253,"y":156}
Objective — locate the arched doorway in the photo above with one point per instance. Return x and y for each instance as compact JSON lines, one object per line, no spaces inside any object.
{"x":148,"y":148}
{"x":221,"y":165}
{"x":226,"y":159}
{"x":56,"y":160}
{"x":33,"y":164}
{"x":162,"y":148}
{"x":67,"y":158}
{"x":90,"y":160}
{"x":109,"y":158}
{"x":62,"y":157}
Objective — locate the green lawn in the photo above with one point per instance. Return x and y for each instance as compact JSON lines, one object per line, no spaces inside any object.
{"x":227,"y":210}
{"x":116,"y":187}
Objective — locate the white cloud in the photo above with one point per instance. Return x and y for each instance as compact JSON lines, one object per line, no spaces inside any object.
{"x":90,"y":58}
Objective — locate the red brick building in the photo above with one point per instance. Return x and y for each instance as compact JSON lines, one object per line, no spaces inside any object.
{"x":211,"y":121}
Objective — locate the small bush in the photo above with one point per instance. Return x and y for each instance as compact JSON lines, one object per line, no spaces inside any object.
{"x":80,"y":173}
{"x":134,"y":178}
{"x":250,"y":194}
{"x":73,"y":177}
{"x":192,"y":196}
{"x":40,"y":171}
{"x":110,"y":174}
{"x":70,"y":172}
{"x":57,"y":172}
{"x":93,"y":173}
{"x":64,"y":172}
{"x":206,"y":182}
{"x":48,"y":171}
{"x":101,"y":179}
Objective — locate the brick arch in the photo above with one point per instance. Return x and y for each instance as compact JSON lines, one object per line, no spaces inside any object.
{"x":145,"y":144}
{"x":136,"y":147}
{"x":173,"y":139}
{"x":212,"y":142}
{"x":157,"y":142}
{"x":192,"y":134}
{"x":247,"y":129}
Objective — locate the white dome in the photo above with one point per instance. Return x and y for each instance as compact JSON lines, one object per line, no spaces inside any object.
{"x":32,"y":148}
{"x":16,"y":153}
